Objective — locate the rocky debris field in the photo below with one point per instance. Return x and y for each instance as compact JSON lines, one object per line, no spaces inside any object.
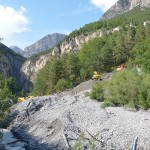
{"x":71,"y":120}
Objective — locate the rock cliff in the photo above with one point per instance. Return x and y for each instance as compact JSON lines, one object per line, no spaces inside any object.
{"x":123,"y":6}
{"x":10,"y":63}
{"x":75,"y":43}
{"x":30,"y":69}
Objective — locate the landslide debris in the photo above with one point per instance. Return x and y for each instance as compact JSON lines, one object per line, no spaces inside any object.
{"x":71,"y":120}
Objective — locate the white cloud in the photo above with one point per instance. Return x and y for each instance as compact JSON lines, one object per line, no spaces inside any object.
{"x":12,"y":21}
{"x":103,"y":4}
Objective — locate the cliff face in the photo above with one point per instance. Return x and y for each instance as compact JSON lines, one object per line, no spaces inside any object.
{"x":75,"y":43}
{"x":142,"y":3}
{"x":10,"y":63}
{"x":45,"y":43}
{"x":30,"y":69}
{"x":123,"y":6}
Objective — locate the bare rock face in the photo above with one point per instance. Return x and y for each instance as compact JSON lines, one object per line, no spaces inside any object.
{"x":76,"y":43}
{"x":30,"y":69}
{"x":10,"y":63}
{"x":142,"y":3}
{"x":123,"y":6}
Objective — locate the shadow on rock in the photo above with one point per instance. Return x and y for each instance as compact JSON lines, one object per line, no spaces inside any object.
{"x":35,"y":143}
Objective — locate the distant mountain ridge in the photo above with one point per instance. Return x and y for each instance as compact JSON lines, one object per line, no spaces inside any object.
{"x":16,"y":49}
{"x":45,"y":43}
{"x":122,"y":6}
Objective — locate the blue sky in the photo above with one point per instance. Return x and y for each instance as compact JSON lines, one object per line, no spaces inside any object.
{"x":23,"y":22}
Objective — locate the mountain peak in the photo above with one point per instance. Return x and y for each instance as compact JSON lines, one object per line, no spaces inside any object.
{"x":122,"y":6}
{"x":45,"y":43}
{"x":16,"y":49}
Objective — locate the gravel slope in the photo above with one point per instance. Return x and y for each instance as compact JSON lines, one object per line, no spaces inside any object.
{"x":69,"y":120}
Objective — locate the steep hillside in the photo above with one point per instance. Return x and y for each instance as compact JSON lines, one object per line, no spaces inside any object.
{"x":123,"y":6}
{"x":10,"y":63}
{"x":100,"y":53}
{"x":45,"y":43}
{"x":78,"y":38}
{"x":30,"y":68}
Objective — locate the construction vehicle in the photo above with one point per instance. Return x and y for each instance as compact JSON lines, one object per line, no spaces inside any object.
{"x":119,"y":68}
{"x":96,"y":75}
{"x":21,"y":99}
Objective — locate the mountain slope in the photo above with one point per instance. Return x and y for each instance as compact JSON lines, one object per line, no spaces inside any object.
{"x":123,"y":6}
{"x":45,"y":43}
{"x":78,"y":38}
{"x":10,"y":63}
{"x":16,"y":49}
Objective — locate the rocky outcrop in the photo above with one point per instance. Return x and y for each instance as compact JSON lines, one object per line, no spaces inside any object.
{"x":123,"y":6}
{"x":10,"y":63}
{"x":75,"y":43}
{"x":45,"y":43}
{"x":30,"y":69}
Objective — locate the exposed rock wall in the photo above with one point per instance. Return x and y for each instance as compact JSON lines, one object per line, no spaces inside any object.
{"x":10,"y":63}
{"x":75,"y":43}
{"x":122,"y":6}
{"x":30,"y":69}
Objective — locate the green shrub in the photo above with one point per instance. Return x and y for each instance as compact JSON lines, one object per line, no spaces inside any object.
{"x":123,"y":89}
{"x":61,"y":85}
{"x":97,"y":92}
{"x":144,"y":92}
{"x":127,"y":88}
{"x":107,"y":104}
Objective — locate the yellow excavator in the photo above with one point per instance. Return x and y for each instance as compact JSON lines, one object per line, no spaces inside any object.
{"x":96,"y":75}
{"x":21,"y":99}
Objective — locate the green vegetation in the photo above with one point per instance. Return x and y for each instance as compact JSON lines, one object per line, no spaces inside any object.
{"x":100,"y":54}
{"x":8,"y":90}
{"x":57,"y":75}
{"x":142,"y":55}
{"x":127,"y":88}
{"x":130,"y":46}
{"x":135,"y":16}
